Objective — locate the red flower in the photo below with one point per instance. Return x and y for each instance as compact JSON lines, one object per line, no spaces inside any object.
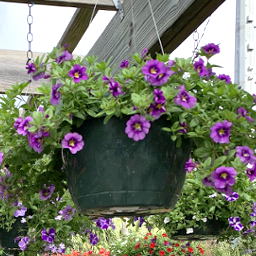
{"x":164,"y":235}
{"x":155,"y":237}
{"x":152,"y":245}
{"x":151,"y":251}
{"x":145,"y":245}
{"x":190,"y":249}
{"x":165,"y":242}
{"x":201,"y":250}
{"x":177,"y":245}
{"x":169,"y":250}
{"x":145,"y":237}
{"x":102,"y":251}
{"x":137,"y":246}
{"x":183,"y":250}
{"x":149,"y":234}
{"x":161,"y":253}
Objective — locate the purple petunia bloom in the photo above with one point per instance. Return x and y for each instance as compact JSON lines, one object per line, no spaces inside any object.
{"x":185,"y":127}
{"x":211,"y":49}
{"x":23,"y":243}
{"x":63,"y":56}
{"x":35,"y":141}
{"x":233,"y":197}
{"x":159,"y":97}
{"x":31,"y":68}
{"x":143,"y":53}
{"x":254,"y":96}
{"x":55,"y":99}
{"x":253,"y":223}
{"x":248,"y":231}
{"x":225,"y":78}
{"x":93,"y":239}
{"x":17,"y":122}
{"x":46,"y":193}
{"x":78,"y":73}
{"x":245,"y":154}
{"x":102,"y":223}
{"x":73,"y":141}
{"x":190,"y":166}
{"x":24,"y":126}
{"x":242,"y":113}
{"x":251,"y":172}
{"x":220,"y":132}
{"x":116,"y":88}
{"x":67,"y":213}
{"x":156,"y":110}
{"x":48,"y":235}
{"x":235,"y":223}
{"x":184,"y":99}
{"x":1,"y":157}
{"x":207,"y":181}
{"x":224,"y":175}
{"x":137,"y":127}
{"x":124,"y":64}
{"x":200,"y":68}
{"x":21,"y":211}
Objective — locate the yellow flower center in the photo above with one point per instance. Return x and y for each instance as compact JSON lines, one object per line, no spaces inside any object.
{"x":159,"y":106}
{"x":224,"y":175}
{"x":153,"y":71}
{"x":249,"y":172}
{"x":198,"y":69}
{"x":46,"y":193}
{"x":221,"y":132}
{"x":71,"y":143}
{"x":76,"y":75}
{"x":160,"y":75}
{"x":246,"y":154}
{"x":183,"y":97}
{"x":137,"y":126}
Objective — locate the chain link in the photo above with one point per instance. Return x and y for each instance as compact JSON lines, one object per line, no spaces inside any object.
{"x":29,"y":35}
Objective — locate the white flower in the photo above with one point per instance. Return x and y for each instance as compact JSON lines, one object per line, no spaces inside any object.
{"x":189,"y":230}
{"x":194,"y":217}
{"x":137,"y":240}
{"x":30,"y":216}
{"x":123,"y":243}
{"x":118,"y":251}
{"x":23,"y":220}
{"x":204,"y":219}
{"x":58,"y":217}
{"x":213,"y":195}
{"x":166,"y":220}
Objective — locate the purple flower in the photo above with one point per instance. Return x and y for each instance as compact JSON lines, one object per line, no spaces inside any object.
{"x":235,"y":223}
{"x":73,"y":141}
{"x":116,"y":88}
{"x":67,"y":213}
{"x":21,"y":211}
{"x":224,"y":175}
{"x":159,"y":97}
{"x":200,"y":68}
{"x":233,"y":197}
{"x":225,"y":78}
{"x":137,"y":127}
{"x":189,"y":166}
{"x":220,"y":132}
{"x":31,"y":68}
{"x":124,"y":64}
{"x":228,"y":190}
{"x":245,"y":154}
{"x":251,"y":172}
{"x":171,"y":63}
{"x":254,"y":96}
{"x":78,"y":73}
{"x":242,"y":112}
{"x":23,"y":243}
{"x":105,"y":79}
{"x":24,"y":126}
{"x":253,"y":223}
{"x":48,"y":235}
{"x":185,"y":127}
{"x":35,"y":141}
{"x":17,"y":122}
{"x":184,"y":99}
{"x":155,"y":110}
{"x":254,"y":207}
{"x":93,"y":239}
{"x":55,"y":99}
{"x":211,"y":49}
{"x":143,"y":53}
{"x":63,"y":56}
{"x":1,"y":157}
{"x":248,"y":231}
{"x":102,"y":223}
{"x":61,"y":248}
{"x":207,"y":181}
{"x":46,"y":193}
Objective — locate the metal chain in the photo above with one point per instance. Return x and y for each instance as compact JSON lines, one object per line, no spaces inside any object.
{"x":29,"y":35}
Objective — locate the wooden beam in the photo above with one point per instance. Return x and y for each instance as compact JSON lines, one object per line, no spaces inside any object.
{"x":102,"y":4}
{"x":175,"y":21}
{"x":76,"y":28}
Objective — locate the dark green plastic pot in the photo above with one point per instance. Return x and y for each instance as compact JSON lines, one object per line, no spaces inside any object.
{"x":116,"y":176}
{"x":212,"y":230}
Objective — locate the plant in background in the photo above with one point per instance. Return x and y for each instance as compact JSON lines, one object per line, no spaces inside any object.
{"x":154,"y":244}
{"x":215,"y":114}
{"x":200,"y":204}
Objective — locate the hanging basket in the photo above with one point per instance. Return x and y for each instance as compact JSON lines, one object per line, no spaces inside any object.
{"x":212,"y":230}
{"x":116,"y":176}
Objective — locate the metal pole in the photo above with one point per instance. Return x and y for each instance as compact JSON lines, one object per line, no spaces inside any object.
{"x":245,"y":45}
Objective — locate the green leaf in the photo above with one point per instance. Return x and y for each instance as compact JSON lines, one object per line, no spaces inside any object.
{"x":207,"y":162}
{"x":136,"y":99}
{"x":107,"y":118}
{"x":219,"y":161}
{"x":202,"y":152}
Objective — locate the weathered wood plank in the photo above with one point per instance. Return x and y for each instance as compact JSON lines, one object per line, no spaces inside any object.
{"x":76,"y":28}
{"x":102,"y":4}
{"x":175,"y":19}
